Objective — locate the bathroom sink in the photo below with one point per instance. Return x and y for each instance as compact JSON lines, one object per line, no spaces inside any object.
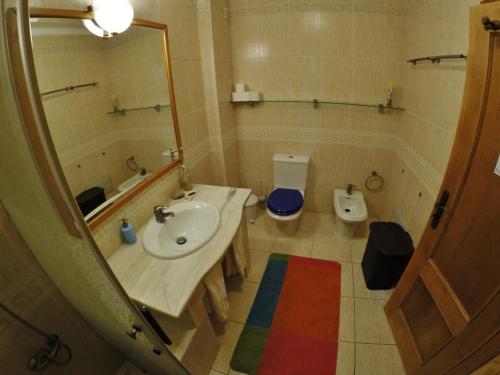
{"x":132,"y":181}
{"x":193,"y":225}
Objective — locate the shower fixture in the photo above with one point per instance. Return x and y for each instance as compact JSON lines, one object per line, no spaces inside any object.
{"x":47,"y":355}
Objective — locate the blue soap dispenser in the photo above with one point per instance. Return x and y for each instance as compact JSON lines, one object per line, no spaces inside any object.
{"x":128,"y":232}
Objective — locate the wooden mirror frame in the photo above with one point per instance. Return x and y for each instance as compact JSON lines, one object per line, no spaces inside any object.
{"x":37,"y":139}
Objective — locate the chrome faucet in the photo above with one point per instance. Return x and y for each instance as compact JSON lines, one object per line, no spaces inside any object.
{"x":349,"y":188}
{"x":161,"y":213}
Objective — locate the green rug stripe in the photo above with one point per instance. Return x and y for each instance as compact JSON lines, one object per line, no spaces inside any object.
{"x":249,"y":350}
{"x":279,"y":257}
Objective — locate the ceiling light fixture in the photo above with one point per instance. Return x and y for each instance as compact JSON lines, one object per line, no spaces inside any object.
{"x":92,"y":26}
{"x":113,"y":16}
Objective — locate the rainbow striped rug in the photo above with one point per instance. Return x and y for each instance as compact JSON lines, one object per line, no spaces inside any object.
{"x":293,"y":325}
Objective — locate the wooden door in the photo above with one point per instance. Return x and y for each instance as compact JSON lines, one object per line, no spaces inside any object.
{"x":445,"y":312}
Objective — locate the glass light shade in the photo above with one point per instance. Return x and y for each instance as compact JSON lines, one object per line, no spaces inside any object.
{"x":91,"y":26}
{"x":113,"y":16}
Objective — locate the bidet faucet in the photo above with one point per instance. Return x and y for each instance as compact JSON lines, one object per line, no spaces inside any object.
{"x":349,"y":188}
{"x":161,"y":213}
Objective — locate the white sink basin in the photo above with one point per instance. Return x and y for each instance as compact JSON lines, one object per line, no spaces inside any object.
{"x":195,"y":222}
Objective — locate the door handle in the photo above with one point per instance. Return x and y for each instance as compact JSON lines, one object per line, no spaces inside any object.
{"x":440,"y":209}
{"x":490,"y":25}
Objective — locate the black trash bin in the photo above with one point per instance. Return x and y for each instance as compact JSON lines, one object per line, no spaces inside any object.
{"x":387,"y":253}
{"x":90,"y":199}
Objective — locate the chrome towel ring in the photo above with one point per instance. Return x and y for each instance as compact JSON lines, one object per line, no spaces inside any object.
{"x":374,"y":182}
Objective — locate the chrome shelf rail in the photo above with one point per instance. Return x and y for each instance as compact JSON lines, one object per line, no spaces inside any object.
{"x":316,"y":103}
{"x":436,"y":59}
{"x":123,"y":111}
{"x":70,"y":88}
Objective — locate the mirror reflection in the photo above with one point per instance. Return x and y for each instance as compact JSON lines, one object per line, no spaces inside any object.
{"x":107,"y":104}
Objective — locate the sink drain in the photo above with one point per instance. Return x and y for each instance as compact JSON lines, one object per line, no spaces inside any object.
{"x":181,"y":240}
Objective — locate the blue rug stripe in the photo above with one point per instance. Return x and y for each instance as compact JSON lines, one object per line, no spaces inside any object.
{"x":268,"y":294}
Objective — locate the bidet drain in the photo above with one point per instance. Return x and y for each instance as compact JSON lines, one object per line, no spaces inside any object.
{"x":181,"y":240}
{"x":347,"y":210}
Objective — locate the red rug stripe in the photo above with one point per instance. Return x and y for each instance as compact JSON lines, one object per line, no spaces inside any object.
{"x":304,"y":330}
{"x":296,"y":355}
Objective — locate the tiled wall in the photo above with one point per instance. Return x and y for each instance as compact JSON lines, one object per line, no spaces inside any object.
{"x":27,"y":290}
{"x":93,"y":145}
{"x":432,"y":98}
{"x":327,"y":50}
{"x":214,"y":30}
{"x":349,"y":51}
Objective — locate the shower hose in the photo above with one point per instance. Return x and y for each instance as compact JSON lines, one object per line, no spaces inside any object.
{"x":44,"y":356}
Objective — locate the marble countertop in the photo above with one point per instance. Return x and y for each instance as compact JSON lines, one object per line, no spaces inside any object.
{"x":167,"y":285}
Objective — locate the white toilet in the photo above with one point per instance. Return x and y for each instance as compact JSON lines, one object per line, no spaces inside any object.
{"x":350,"y":210}
{"x":285,"y":203}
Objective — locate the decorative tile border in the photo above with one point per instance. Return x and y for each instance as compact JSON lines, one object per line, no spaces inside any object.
{"x":429,"y":177}
{"x":320,"y":6}
{"x":315,"y":135}
{"x":218,"y":144}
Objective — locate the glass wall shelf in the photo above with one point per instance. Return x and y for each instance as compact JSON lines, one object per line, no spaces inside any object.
{"x":316,"y":103}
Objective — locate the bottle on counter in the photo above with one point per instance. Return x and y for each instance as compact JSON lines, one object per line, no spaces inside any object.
{"x":185,"y":179}
{"x":128,"y":232}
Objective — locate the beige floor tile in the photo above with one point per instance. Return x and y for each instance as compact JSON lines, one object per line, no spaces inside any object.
{"x":260,"y":217}
{"x":345,"y":359}
{"x":324,"y":223}
{"x":299,"y":244}
{"x":346,"y":283}
{"x":215,"y":372}
{"x":358,"y":246}
{"x":259,"y":262}
{"x":378,"y":360}
{"x":346,"y":329}
{"x":363,"y":229}
{"x":306,"y":222}
{"x":360,"y":289}
{"x":232,"y":372}
{"x":371,"y":325}
{"x":228,"y":336}
{"x":327,"y":246}
{"x":260,"y":237}
{"x":240,"y":295}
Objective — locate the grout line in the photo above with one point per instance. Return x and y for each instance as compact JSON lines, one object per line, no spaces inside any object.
{"x":374,"y":299}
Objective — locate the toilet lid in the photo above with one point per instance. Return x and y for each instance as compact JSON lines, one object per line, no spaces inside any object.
{"x":285,"y":201}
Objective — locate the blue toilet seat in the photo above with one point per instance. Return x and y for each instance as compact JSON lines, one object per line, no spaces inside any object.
{"x":285,"y":202}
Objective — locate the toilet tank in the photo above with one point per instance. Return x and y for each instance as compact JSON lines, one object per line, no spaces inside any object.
{"x":290,"y":171}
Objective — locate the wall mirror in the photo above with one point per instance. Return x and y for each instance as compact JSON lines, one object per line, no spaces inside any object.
{"x":109,"y":105}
